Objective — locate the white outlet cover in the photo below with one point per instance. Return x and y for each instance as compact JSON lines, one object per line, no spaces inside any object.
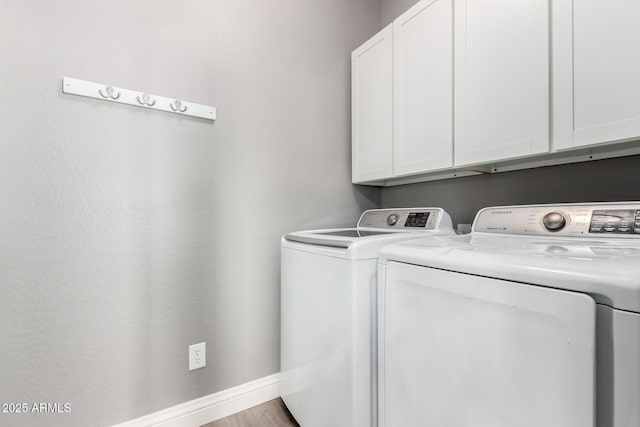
{"x":197,"y":356}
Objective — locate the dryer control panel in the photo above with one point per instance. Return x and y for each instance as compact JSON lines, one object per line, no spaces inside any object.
{"x":575,"y":219}
{"x":617,"y":221}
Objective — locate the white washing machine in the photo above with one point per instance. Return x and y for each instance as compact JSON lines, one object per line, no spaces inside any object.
{"x":328,"y":360}
{"x":531,"y":320}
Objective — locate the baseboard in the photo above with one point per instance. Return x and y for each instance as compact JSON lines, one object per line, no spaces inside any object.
{"x":212,"y":407}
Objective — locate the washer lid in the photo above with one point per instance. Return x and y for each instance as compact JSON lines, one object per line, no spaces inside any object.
{"x":606,"y":269}
{"x":337,"y":238}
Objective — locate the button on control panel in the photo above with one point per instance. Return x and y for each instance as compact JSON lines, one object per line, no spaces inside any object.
{"x":554,"y":221}
{"x":392,"y":219}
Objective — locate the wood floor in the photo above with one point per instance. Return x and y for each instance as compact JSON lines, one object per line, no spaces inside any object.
{"x":270,"y":414}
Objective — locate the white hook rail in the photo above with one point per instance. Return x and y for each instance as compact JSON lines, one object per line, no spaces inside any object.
{"x":137,"y":98}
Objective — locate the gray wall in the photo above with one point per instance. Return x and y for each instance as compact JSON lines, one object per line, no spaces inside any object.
{"x":391,"y":9}
{"x":128,"y":234}
{"x":597,"y":181}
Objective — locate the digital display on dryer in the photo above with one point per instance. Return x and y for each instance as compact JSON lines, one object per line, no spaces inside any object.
{"x":617,"y":221}
{"x":417,"y":219}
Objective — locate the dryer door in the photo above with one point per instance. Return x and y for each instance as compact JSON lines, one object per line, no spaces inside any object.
{"x":458,"y":350}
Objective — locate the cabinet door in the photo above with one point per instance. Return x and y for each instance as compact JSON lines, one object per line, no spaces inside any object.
{"x":501,"y":83}
{"x":596,"y":71}
{"x":423,"y":88}
{"x":372,"y":108}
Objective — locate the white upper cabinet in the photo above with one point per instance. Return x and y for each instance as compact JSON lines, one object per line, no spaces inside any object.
{"x":423,"y":88}
{"x":596,"y":71}
{"x":372,"y":108}
{"x":469,"y":86}
{"x":501,"y":80}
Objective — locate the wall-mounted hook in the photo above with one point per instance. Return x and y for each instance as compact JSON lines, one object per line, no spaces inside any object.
{"x":111,"y":93}
{"x":177,"y":106}
{"x":145,"y":99}
{"x":120,"y":95}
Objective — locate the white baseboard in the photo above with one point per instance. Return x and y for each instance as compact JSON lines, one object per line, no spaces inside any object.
{"x":212,"y":407}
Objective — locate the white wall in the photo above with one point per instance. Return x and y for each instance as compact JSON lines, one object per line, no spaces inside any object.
{"x":128,"y":234}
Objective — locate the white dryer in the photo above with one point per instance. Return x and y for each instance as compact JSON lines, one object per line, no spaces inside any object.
{"x":328,"y":306}
{"x":531,"y":320}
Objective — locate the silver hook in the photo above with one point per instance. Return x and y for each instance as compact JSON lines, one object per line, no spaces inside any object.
{"x":146,"y":100}
{"x":110,"y":93}
{"x":178,"y":106}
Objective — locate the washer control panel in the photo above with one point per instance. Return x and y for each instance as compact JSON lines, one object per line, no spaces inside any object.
{"x":407,"y":219}
{"x":594,"y":220}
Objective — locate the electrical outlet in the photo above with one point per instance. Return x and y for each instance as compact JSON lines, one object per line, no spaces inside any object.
{"x":197,"y":356}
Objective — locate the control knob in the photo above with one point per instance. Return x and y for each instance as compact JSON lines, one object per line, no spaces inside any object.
{"x":554,"y":221}
{"x":392,"y":219}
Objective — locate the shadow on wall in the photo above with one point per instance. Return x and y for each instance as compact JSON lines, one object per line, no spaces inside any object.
{"x":367,"y":196}
{"x":597,"y":181}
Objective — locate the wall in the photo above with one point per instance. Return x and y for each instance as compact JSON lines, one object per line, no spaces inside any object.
{"x":597,"y":181}
{"x":128,"y":234}
{"x":391,"y":9}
